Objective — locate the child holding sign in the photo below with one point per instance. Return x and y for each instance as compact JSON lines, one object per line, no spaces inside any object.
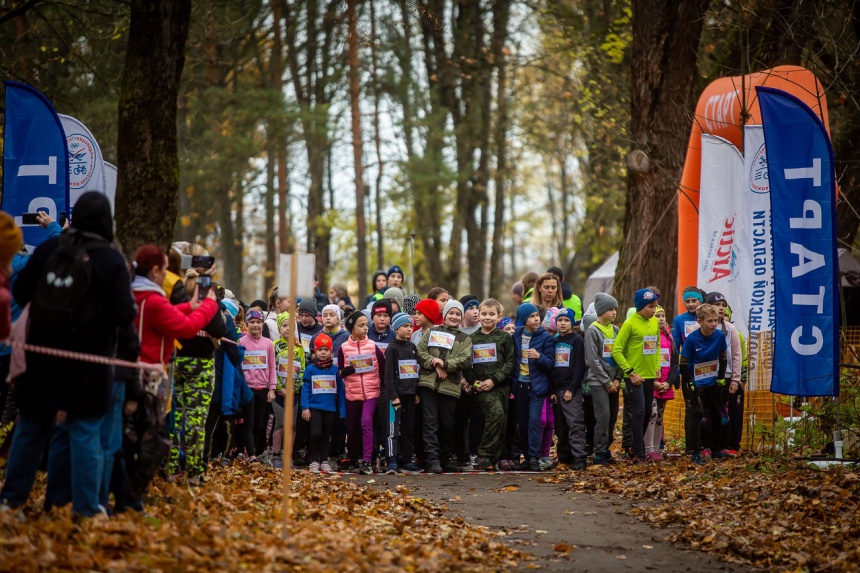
{"x":444,"y":353}
{"x":703,"y":362}
{"x":259,"y":369}
{"x":636,"y":353}
{"x":401,"y":389}
{"x":360,"y":363}
{"x":323,"y":399}
{"x":492,"y":367}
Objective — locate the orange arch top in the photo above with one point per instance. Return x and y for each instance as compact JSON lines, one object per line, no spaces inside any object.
{"x":718,"y":112}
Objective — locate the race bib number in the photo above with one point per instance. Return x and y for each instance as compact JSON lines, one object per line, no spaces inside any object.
{"x":690,"y":326}
{"x":283,"y":364}
{"x":562,"y":356}
{"x":441,"y":340}
{"x":306,"y":342}
{"x":483,"y":353}
{"x":323,"y":384}
{"x":383,"y":346}
{"x":665,"y":355}
{"x":649,"y":345}
{"x":408,"y":369}
{"x":362,"y":363}
{"x":254,"y":360}
{"x":705,"y":370}
{"x":608,"y":343}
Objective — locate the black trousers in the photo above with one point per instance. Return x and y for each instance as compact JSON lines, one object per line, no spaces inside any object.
{"x":692,"y":417}
{"x":710,"y":405}
{"x":259,"y":414}
{"x":468,"y":426}
{"x":439,"y":415}
{"x":302,"y":437}
{"x":589,"y":425}
{"x":321,"y":425}
{"x":406,"y":445}
{"x":736,"y":418}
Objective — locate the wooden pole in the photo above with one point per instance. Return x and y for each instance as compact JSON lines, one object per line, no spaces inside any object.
{"x":290,"y":392}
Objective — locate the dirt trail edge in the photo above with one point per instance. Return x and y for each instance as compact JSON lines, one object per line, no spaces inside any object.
{"x":537,"y":516}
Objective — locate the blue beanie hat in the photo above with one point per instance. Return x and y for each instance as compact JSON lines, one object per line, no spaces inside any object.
{"x":524,"y":311}
{"x":395,"y":269}
{"x":400,"y":319}
{"x":231,"y":306}
{"x":567,"y":313}
{"x":643,"y":297}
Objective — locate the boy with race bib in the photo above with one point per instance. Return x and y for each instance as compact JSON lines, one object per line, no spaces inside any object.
{"x":567,"y":386}
{"x":636,"y":351}
{"x":401,"y":389}
{"x":604,"y":376}
{"x":444,"y":353}
{"x":703,"y":361}
{"x":490,"y":375}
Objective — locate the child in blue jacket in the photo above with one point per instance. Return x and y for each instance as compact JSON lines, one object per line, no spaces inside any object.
{"x":534,"y":348}
{"x":323,"y":398}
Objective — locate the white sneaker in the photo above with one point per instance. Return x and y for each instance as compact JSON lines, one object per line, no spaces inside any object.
{"x":314,"y":468}
{"x":325,"y":467}
{"x":16,"y":512}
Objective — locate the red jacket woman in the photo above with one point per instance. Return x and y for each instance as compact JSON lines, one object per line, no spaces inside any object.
{"x":159,"y":322}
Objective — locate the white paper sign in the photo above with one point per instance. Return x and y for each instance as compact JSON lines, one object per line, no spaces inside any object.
{"x":305,"y":275}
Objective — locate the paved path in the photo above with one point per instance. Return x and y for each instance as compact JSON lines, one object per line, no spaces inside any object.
{"x":537,"y":516}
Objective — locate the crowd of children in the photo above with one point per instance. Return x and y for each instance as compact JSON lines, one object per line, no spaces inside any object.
{"x":454,"y":385}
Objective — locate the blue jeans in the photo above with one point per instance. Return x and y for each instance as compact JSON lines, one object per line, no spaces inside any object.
{"x":76,"y":466}
{"x":110,"y":437}
{"x":528,"y":419}
{"x":28,"y":444}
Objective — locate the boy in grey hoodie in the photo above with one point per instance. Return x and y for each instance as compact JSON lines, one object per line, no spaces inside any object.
{"x":604,"y":376}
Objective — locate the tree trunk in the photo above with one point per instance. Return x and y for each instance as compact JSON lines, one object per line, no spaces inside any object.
{"x":665,"y":41}
{"x":285,"y":240}
{"x":357,"y":152}
{"x":147,"y":156}
{"x":271,"y":249}
{"x":377,"y":138}
{"x":501,"y":10}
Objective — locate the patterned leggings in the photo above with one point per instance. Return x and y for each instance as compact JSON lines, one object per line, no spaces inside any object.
{"x":194,"y":382}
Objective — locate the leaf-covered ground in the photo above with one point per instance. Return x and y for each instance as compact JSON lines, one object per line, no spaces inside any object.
{"x":779,"y":515}
{"x":234,"y":523}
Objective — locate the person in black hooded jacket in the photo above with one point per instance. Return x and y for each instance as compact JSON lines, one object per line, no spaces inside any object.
{"x":75,"y":393}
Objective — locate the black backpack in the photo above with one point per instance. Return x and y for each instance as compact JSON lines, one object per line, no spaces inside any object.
{"x":63,"y":294}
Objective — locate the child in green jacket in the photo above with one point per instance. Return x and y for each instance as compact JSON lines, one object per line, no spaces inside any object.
{"x":637,"y":353}
{"x":493,"y":364}
{"x":444,"y":353}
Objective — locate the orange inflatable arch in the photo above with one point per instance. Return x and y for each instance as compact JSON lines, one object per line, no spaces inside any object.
{"x":719,"y":113}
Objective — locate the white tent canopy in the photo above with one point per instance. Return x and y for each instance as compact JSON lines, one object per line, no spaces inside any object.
{"x":600,"y":280}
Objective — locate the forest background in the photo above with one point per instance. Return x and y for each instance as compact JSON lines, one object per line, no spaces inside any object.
{"x":499,"y":132}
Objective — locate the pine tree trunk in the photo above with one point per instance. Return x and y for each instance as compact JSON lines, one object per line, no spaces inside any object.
{"x":377,"y":139}
{"x":357,"y":149}
{"x":501,"y":10}
{"x":147,"y":155}
{"x":285,"y":241}
{"x":665,"y":41}
{"x":271,"y":249}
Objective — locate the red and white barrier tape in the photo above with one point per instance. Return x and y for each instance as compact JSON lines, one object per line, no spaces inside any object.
{"x":95,"y":358}
{"x":83,"y":357}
